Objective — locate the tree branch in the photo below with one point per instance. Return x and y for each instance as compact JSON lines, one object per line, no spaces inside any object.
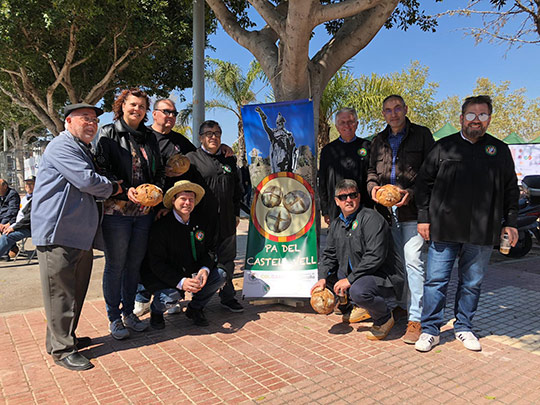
{"x":269,"y":13}
{"x":348,"y":8}
{"x":355,"y":33}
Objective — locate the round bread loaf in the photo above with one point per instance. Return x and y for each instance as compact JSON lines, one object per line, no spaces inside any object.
{"x":278,"y":219}
{"x":149,"y":195}
{"x":297,"y":202}
{"x":388,"y":195}
{"x":322,"y":301}
{"x":271,"y":196}
{"x":177,"y":165}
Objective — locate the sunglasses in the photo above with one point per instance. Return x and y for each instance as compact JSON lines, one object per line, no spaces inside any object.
{"x":174,"y":113}
{"x":343,"y":197}
{"x":483,"y":117}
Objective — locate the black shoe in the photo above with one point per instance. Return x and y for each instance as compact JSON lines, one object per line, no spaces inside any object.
{"x":233,"y":306}
{"x":157,"y":321}
{"x":75,"y":362}
{"x":83,"y":342}
{"x":197,"y":315}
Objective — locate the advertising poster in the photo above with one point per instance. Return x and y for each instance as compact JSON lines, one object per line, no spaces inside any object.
{"x":281,"y":255}
{"x":526,"y":159}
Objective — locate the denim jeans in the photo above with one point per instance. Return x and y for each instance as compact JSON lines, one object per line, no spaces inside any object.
{"x":408,"y":244}
{"x":126,"y":239}
{"x":7,"y":241}
{"x":166,"y":298}
{"x":472,"y":262}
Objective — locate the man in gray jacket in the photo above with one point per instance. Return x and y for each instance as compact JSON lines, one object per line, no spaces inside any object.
{"x":65,"y":220}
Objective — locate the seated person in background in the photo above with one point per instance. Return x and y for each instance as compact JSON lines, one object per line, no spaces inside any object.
{"x":359,"y":259}
{"x":181,"y":257}
{"x":9,"y":203}
{"x":11,"y":234}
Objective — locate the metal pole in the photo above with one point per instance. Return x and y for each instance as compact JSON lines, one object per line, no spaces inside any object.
{"x":5,"y":140}
{"x":198,"y":67}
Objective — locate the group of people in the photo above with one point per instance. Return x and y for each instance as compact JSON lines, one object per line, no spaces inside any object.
{"x":459,"y":196}
{"x":188,"y":244}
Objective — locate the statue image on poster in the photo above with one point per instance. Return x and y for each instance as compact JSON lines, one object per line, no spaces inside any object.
{"x":283,"y":150}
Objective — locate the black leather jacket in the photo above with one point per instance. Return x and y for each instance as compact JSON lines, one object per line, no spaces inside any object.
{"x":114,"y":159}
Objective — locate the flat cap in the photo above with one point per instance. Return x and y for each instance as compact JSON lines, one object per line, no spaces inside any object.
{"x":68,"y":109}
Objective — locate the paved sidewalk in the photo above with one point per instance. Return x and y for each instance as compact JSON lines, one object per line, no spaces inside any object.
{"x":279,"y":355}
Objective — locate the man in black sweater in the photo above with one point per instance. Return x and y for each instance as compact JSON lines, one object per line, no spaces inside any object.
{"x":467,"y":198}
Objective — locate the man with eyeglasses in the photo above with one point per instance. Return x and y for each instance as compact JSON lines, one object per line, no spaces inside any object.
{"x":397,"y":153}
{"x":219,"y":176}
{"x":467,"y":198}
{"x":358,"y":260}
{"x":65,"y":219}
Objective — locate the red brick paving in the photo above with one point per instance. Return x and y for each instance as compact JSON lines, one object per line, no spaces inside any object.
{"x":273,"y":354}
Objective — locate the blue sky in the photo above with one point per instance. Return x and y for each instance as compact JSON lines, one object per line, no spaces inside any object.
{"x":454,"y":61}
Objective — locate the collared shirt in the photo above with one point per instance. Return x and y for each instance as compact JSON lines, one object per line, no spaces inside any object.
{"x":210,"y":153}
{"x":349,"y":219}
{"x":463,"y":136}
{"x":179,"y":218}
{"x":395,"y":141}
{"x":344,"y":141}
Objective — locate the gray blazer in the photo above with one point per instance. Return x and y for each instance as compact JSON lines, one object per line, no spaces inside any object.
{"x":64,"y":208}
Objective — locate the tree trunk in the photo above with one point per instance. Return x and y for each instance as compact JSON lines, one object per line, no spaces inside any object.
{"x":241,"y":144}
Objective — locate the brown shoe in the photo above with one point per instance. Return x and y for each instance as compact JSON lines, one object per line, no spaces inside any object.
{"x":414,"y":330}
{"x":13,"y":252}
{"x":380,"y":332}
{"x":357,"y":314}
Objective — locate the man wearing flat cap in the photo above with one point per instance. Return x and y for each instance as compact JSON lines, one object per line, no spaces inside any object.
{"x":180,"y":257}
{"x":65,"y":220}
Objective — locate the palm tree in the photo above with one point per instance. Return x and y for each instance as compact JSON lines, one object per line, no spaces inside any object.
{"x":234,"y":91}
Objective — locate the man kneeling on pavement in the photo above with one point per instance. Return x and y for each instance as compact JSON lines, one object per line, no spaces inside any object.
{"x":181,"y":257}
{"x":359,"y":260}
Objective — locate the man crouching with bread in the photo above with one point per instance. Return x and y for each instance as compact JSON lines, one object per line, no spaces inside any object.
{"x":180,"y":257}
{"x":359,"y":261}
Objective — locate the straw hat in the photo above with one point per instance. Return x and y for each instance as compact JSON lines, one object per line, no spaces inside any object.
{"x":179,"y":186}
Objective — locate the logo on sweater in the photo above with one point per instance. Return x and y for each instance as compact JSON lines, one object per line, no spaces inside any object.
{"x":491,"y":150}
{"x":355,"y":224}
{"x":227,"y":168}
{"x":362,"y":152}
{"x":199,"y":235}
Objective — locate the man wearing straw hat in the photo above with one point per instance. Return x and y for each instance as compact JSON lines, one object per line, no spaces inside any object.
{"x":181,"y":257}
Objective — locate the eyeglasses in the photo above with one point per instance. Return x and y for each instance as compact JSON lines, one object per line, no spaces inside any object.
{"x":174,"y":113}
{"x":472,"y":116}
{"x":88,"y":120}
{"x":210,"y":134}
{"x":343,"y":197}
{"x":397,"y":110}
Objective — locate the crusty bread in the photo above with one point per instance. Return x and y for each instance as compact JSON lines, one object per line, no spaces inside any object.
{"x":322,"y":301}
{"x":149,"y":195}
{"x":177,"y":165}
{"x":388,"y":195}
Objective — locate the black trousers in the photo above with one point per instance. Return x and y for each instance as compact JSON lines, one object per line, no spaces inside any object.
{"x":366,"y":294}
{"x":65,"y":274}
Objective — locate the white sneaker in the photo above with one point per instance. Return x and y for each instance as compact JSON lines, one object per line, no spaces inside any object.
{"x":141,"y":308}
{"x":118,"y":330}
{"x":426,"y":342}
{"x":133,"y":322}
{"x":469,"y":340}
{"x":175,"y":309}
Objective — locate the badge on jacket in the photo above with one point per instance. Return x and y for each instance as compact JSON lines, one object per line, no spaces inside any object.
{"x":362,"y":152}
{"x":491,"y":150}
{"x":355,"y":224}
{"x":227,"y":168}
{"x":199,"y":235}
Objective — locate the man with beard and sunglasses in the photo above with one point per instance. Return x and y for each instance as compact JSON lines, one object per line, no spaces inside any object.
{"x":359,"y":259}
{"x":467,"y":198}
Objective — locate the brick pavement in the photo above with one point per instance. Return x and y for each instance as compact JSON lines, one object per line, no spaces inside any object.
{"x":272,"y":354}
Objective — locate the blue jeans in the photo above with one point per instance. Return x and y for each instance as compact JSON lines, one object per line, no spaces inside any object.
{"x":126,"y":239}
{"x":408,"y":244}
{"x":166,"y":298}
{"x":7,"y":241}
{"x":473,"y":260}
